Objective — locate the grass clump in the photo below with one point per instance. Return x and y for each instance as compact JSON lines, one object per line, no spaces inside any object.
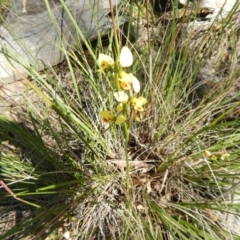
{"x":113,"y":152}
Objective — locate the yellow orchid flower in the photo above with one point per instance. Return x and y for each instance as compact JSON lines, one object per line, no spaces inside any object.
{"x":121,"y":96}
{"x":138,"y":103}
{"x":213,"y":157}
{"x":107,"y":116}
{"x":139,"y":100}
{"x":125,"y":80}
{"x":128,"y":81}
{"x":225,"y":156}
{"x":105,"y":61}
{"x":207,"y":153}
{"x":126,"y":57}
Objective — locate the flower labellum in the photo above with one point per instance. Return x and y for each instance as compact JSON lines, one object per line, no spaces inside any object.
{"x":126,"y":57}
{"x":121,"y":96}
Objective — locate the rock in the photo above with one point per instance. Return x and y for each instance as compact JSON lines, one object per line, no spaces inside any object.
{"x":31,"y":36}
{"x":213,"y":42}
{"x":166,"y":5}
{"x":220,"y":8}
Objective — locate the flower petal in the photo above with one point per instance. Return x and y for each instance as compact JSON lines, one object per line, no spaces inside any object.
{"x":121,"y":96}
{"x":120,"y":119}
{"x":133,"y":101}
{"x":107,"y":116}
{"x":126,"y":57}
{"x":142,"y":100}
{"x":119,"y":107}
{"x":135,"y":85}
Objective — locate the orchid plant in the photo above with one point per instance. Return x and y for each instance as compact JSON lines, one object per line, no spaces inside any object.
{"x":127,"y":87}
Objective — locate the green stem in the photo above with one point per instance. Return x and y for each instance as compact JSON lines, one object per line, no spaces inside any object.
{"x":116,"y":81}
{"x":126,"y":135}
{"x":126,"y":132}
{"x":117,"y":68}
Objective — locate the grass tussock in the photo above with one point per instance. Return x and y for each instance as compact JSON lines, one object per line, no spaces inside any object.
{"x":171,"y":175}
